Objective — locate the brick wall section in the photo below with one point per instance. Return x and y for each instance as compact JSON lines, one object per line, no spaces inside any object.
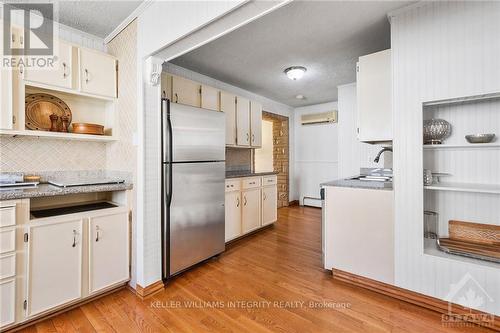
{"x":280,"y":155}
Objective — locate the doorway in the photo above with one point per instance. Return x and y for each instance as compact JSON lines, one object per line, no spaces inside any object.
{"x":279,"y":152}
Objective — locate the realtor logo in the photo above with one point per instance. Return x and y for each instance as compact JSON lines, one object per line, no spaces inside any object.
{"x":465,"y":297}
{"x":35,"y":21}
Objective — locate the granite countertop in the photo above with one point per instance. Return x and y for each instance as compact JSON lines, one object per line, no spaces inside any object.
{"x":47,"y":190}
{"x":355,"y":183}
{"x":240,"y":174}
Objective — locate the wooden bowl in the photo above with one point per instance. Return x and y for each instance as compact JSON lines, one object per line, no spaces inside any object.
{"x":85,"y":128}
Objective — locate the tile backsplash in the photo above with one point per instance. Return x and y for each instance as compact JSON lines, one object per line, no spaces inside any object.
{"x":26,"y":154}
{"x":238,"y":159}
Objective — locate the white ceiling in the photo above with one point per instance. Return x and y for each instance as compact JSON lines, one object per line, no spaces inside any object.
{"x":327,"y":37}
{"x":98,"y":18}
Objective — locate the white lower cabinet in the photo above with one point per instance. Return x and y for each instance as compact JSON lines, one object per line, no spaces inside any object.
{"x":71,"y":257}
{"x":233,"y":215}
{"x":269,"y":204}
{"x":249,"y":205}
{"x":8,"y":302}
{"x":250,"y":211}
{"x":108,"y":251}
{"x":54,"y":264}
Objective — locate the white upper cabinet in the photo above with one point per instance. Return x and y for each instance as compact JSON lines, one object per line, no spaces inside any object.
{"x":242,"y":121}
{"x":98,"y":73}
{"x":210,"y":98}
{"x":374,"y":96}
{"x":228,"y":106}
{"x":62,"y":73}
{"x":255,"y":124}
{"x":54,"y":261}
{"x":108,"y":250}
{"x":186,"y":92}
{"x":6,"y":115}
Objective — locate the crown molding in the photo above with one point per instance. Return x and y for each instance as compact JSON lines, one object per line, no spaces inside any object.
{"x":138,"y":11}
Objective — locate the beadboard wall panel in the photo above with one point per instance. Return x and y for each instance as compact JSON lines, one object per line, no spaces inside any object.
{"x":440,"y":50}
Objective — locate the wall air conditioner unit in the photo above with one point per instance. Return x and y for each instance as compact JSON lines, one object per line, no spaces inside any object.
{"x":319,"y":118}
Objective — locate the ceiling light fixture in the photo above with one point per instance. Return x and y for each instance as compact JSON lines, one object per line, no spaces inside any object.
{"x":295,"y":72}
{"x":300,"y":97}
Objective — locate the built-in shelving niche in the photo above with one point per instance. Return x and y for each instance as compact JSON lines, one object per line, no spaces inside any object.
{"x":84,"y":108}
{"x":471,"y":191}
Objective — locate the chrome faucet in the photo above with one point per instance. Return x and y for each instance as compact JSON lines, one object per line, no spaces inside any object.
{"x":377,"y":158}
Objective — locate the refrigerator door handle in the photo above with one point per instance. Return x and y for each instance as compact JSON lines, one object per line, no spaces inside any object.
{"x":166,"y":133}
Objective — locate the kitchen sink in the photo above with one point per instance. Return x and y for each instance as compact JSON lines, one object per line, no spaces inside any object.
{"x":371,"y":178}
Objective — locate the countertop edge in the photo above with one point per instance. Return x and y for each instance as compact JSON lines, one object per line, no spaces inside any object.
{"x":253,"y":174}
{"x":46,"y":190}
{"x":356,"y":184}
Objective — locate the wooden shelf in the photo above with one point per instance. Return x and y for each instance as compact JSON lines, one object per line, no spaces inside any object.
{"x":58,"y":135}
{"x":465,"y":187}
{"x":431,"y":249}
{"x":494,"y":145}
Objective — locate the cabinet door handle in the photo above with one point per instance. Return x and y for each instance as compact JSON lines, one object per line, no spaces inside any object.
{"x":97,"y":233}
{"x":248,"y":137}
{"x":253,"y":137}
{"x":86,"y":76}
{"x":64,"y":70}
{"x":244,"y":200}
{"x":74,"y":238}
{"x":265,"y":196}
{"x":13,"y":38}
{"x":176,"y":98}
{"x":237,"y":202}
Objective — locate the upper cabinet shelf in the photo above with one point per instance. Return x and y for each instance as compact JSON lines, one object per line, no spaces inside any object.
{"x":84,"y":79}
{"x":57,"y":135}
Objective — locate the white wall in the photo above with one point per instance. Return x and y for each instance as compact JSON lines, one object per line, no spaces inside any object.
{"x":316,"y":153}
{"x":440,"y":50}
{"x":263,"y":157}
{"x":353,"y":154}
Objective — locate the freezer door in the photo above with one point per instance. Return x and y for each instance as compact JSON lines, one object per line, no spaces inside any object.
{"x":196,"y":220}
{"x":197,"y":134}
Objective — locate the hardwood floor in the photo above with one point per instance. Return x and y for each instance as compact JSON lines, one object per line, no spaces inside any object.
{"x":279,"y":264}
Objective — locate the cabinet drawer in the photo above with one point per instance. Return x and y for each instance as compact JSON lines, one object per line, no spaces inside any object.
{"x":7,"y":266}
{"x":7,"y":216}
{"x":7,"y":302}
{"x":233,"y":185}
{"x":250,"y":182}
{"x":269,"y":180}
{"x":7,"y":240}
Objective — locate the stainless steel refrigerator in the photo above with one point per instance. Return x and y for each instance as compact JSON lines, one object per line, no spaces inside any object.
{"x":193,"y":164}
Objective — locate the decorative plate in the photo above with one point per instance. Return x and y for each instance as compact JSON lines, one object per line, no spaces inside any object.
{"x":39,"y":107}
